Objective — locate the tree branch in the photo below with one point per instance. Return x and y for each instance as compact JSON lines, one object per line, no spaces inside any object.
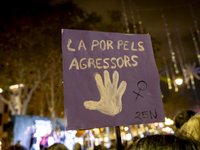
{"x":9,"y":104}
{"x":4,"y":100}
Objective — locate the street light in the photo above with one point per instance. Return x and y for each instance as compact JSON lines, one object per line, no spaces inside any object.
{"x":179,"y":81}
{"x":1,"y":90}
{"x":16,"y":86}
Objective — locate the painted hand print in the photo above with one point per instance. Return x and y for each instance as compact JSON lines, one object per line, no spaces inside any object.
{"x":110,"y":102}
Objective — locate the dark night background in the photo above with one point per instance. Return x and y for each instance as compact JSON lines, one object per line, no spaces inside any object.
{"x":31,"y":41}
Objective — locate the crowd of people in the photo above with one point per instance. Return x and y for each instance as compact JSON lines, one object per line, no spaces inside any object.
{"x":186,"y":137}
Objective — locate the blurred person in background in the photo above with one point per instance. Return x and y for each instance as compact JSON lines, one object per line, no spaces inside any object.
{"x":57,"y":146}
{"x":191,"y":129}
{"x":77,"y":146}
{"x":182,"y":117}
{"x":166,"y":142}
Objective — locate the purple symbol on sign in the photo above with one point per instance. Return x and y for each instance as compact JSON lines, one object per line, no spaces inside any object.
{"x":142,"y":85}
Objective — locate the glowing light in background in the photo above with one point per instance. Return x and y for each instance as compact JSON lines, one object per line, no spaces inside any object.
{"x":168,"y":121}
{"x":167,"y":130}
{"x":50,"y":141}
{"x":79,"y":140}
{"x":16,"y":86}
{"x":125,"y":128}
{"x":128,"y":137}
{"x":179,"y":81}
{"x":167,"y":74}
{"x":97,"y":142}
{"x":96,"y":131}
{"x":141,"y":135}
{"x":156,"y":124}
{"x":106,"y":139}
{"x":43,"y":127}
{"x":161,"y":125}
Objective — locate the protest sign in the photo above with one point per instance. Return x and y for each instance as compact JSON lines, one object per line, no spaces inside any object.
{"x":110,"y":79}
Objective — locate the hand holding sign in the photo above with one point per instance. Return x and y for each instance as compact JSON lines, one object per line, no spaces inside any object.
{"x":110,"y":102}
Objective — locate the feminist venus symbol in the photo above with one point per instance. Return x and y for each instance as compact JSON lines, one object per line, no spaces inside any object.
{"x":140,"y":88}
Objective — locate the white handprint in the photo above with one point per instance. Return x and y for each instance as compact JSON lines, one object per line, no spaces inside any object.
{"x":110,"y":102}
